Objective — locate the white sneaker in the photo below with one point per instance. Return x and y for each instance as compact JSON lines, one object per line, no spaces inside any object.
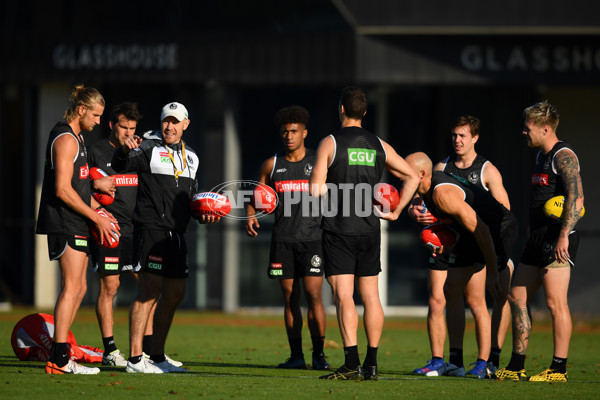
{"x":143,"y":367}
{"x":166,"y":367}
{"x":169,"y":359}
{"x":173,"y":362}
{"x":71,"y":368}
{"x":115,"y":358}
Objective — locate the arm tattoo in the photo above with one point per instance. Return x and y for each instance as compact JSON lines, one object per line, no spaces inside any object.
{"x":521,"y":327}
{"x":567,"y":167}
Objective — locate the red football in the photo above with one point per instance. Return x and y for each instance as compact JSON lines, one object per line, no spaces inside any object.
{"x":264,"y":199}
{"x":386,"y":196}
{"x":437,"y":235}
{"x":102,"y":198}
{"x":210,"y":203}
{"x":114,"y":242}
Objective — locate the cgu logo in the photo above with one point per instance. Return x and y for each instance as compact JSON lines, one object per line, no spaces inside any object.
{"x":361,"y":157}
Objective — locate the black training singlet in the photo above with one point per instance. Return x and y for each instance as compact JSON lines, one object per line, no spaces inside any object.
{"x":54,"y":215}
{"x":473,"y":174}
{"x":297,"y":217}
{"x":100,"y":155}
{"x":545,"y":184}
{"x":495,"y":215}
{"x":357,"y":166}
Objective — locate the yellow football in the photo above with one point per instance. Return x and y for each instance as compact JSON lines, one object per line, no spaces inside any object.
{"x":555,"y":206}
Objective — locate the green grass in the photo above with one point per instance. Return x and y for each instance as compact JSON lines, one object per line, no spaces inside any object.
{"x":233,"y":356}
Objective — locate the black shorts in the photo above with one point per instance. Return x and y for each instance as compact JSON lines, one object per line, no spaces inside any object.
{"x":359,"y":255}
{"x":290,"y":260}
{"x":57,"y":244}
{"x":162,"y":252}
{"x":466,"y":252}
{"x":539,"y":249}
{"x":114,"y":261}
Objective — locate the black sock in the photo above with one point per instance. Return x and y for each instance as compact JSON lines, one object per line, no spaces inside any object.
{"x":317,"y":342}
{"x":158,"y":358}
{"x":371,"y":358}
{"x":559,"y":364}
{"x":109,"y":344}
{"x":296,"y":347}
{"x":61,"y":354}
{"x":456,"y":357}
{"x":495,"y":356}
{"x":135,"y":360}
{"x":351,"y":357}
{"x":147,"y":344}
{"x":517,"y":362}
{"x":52,"y":356}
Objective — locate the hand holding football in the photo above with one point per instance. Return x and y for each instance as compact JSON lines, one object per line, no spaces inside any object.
{"x":102,"y":198}
{"x":210,"y":203}
{"x":386,"y":196}
{"x":114,"y":241}
{"x":437,"y":235}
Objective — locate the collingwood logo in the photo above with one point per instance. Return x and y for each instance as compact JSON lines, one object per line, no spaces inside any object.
{"x":308,"y":169}
{"x":316,"y":261}
{"x":473,"y":177}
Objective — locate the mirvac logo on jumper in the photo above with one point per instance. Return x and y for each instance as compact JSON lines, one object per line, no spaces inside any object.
{"x":361,"y":157}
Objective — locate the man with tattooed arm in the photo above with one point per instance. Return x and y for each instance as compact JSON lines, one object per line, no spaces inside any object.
{"x":550,"y":250}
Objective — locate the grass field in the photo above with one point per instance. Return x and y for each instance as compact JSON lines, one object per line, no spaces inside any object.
{"x":234,"y":357}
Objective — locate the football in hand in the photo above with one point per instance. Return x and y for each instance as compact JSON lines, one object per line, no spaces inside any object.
{"x":114,"y":241}
{"x":386,"y":197}
{"x":210,"y":203}
{"x":264,"y":199}
{"x":554,"y":208}
{"x":436,"y":235}
{"x":102,"y":198}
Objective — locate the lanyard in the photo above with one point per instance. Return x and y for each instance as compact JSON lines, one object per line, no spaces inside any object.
{"x":175,"y":170}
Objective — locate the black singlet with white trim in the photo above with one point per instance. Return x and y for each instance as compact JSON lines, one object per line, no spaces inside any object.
{"x":297,"y":216}
{"x":473,"y":174}
{"x":545,"y":184}
{"x":357,"y":166}
{"x":100,"y":155}
{"x":54,"y":215}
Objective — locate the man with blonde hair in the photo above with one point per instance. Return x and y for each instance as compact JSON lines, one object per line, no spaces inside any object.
{"x":66,"y":208}
{"x":551,"y":248}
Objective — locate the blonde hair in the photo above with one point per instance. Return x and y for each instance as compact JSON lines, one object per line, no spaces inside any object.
{"x":82,"y":96}
{"x":542,"y":113}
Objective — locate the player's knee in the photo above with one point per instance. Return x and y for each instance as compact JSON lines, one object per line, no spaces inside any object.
{"x":437,"y":304}
{"x":110,"y":289}
{"x":313,"y":296}
{"x":557,"y":306}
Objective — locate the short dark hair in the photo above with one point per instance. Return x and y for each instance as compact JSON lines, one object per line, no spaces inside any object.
{"x":473,"y":122}
{"x":291,"y":115}
{"x":354,"y":101}
{"x":128,"y":110}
